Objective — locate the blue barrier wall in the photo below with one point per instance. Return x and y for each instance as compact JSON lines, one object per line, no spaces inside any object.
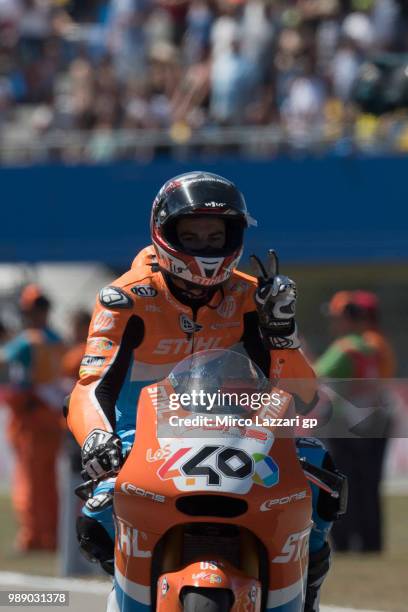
{"x":310,"y":210}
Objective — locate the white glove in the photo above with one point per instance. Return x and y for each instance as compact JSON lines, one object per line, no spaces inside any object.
{"x":101,"y":454}
{"x":275,"y":301}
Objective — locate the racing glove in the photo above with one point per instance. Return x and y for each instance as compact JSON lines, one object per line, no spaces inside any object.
{"x":101,"y":454}
{"x":275,"y":301}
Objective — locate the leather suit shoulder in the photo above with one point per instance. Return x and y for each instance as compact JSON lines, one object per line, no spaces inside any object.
{"x":140,"y":271}
{"x":138,"y":282}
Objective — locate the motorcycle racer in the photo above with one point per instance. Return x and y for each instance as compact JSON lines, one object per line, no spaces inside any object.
{"x":183,"y":294}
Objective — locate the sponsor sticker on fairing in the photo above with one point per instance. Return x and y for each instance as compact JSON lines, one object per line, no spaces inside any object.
{"x":280,"y":501}
{"x":130,"y":541}
{"x":131,"y":489}
{"x":296,"y":547}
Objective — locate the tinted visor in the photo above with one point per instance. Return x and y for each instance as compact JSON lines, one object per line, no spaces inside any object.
{"x":234,"y":236}
{"x":207,"y":197}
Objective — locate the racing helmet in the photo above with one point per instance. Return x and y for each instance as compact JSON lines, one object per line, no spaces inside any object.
{"x":201,"y":194}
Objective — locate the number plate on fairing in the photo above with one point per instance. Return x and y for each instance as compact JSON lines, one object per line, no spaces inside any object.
{"x":222,"y":465}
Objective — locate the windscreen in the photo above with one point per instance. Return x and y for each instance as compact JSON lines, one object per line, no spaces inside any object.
{"x":218,"y":382}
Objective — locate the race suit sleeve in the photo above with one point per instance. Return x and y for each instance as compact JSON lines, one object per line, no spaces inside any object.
{"x":289,"y":368}
{"x":113,"y":335}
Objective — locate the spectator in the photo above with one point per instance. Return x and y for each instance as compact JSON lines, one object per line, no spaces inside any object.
{"x":353,"y":356}
{"x":233,"y":79}
{"x":199,"y":20}
{"x":36,"y":424}
{"x":368,"y":302}
{"x":71,"y":362}
{"x":127,"y":38}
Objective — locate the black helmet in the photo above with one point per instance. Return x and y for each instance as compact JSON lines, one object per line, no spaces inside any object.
{"x":199,"y":193}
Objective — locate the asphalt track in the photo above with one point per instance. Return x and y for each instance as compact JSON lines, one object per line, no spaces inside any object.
{"x":84,"y":595}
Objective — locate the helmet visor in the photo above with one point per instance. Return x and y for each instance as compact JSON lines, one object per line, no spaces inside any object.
{"x":213,"y":196}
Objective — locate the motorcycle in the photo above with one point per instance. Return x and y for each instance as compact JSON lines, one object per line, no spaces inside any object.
{"x":212,"y":506}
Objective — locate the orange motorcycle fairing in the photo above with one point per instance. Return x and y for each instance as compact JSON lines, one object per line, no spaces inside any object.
{"x":245,"y":592}
{"x":183,"y":501}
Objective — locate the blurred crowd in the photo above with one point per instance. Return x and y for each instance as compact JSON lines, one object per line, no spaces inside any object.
{"x":185,"y":65}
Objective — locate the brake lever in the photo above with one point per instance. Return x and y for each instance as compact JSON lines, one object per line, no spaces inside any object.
{"x":334,"y":483}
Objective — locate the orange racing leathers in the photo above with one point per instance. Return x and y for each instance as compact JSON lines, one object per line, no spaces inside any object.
{"x":139,"y":331}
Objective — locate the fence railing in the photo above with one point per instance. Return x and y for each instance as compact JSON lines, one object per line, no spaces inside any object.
{"x":180,"y":142}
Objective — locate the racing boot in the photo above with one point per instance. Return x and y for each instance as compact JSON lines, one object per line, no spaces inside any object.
{"x":319,"y":564}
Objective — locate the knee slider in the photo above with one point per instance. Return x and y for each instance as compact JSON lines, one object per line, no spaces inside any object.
{"x":94,"y":541}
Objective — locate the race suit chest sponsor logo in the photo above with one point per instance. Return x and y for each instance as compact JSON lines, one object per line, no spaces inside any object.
{"x":89,"y":372}
{"x":188,"y":326}
{"x":131,"y":541}
{"x":227,"y":307}
{"x":295,"y":548}
{"x":225,"y":325}
{"x":113,"y":297}
{"x":144,"y":291}
{"x":152,"y":308}
{"x":95,"y":361}
{"x":104,"y":321}
{"x":272,"y":503}
{"x":239,"y":287}
{"x":130,"y":489}
{"x":100,"y":344}
{"x":178,"y":346}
